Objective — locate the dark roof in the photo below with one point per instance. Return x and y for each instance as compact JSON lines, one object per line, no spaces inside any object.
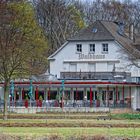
{"x":94,"y":32}
{"x":137,"y":39}
{"x":124,"y":40}
{"x":105,"y":31}
{"x":137,"y":46}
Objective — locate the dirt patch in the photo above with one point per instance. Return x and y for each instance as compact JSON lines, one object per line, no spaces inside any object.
{"x":9,"y":137}
{"x":57,"y":137}
{"x":49,"y":117}
{"x":121,"y":111}
{"x":69,"y":125}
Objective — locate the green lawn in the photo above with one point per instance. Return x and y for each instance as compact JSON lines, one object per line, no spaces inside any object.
{"x":22,"y":131}
{"x":71,"y":121}
{"x":130,"y":116}
{"x":73,"y":131}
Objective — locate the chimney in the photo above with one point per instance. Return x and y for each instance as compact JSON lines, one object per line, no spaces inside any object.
{"x":131,"y":32}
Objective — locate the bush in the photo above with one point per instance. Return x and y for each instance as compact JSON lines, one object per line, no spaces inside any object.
{"x":126,"y":116}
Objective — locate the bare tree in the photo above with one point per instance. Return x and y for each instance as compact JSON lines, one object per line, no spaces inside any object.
{"x":60,"y":20}
{"x":20,"y":40}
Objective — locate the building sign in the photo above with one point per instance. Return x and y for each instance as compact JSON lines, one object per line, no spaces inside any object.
{"x":91,"y":56}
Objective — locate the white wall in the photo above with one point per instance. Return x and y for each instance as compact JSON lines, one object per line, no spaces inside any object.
{"x":69,"y":55}
{"x":82,"y":67}
{"x":101,"y":66}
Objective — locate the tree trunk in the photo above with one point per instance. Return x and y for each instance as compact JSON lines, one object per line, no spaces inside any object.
{"x":6,"y":90}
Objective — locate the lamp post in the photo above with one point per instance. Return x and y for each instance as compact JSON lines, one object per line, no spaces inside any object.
{"x":85,"y":101}
{"x":9,"y":101}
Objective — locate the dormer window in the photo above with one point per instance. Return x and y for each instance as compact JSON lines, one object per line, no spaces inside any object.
{"x":105,"y":48}
{"x":91,"y":48}
{"x":94,"y":30}
{"x":78,"y":48}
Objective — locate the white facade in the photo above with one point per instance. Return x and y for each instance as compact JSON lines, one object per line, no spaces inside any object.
{"x":67,"y":59}
{"x":105,"y":54}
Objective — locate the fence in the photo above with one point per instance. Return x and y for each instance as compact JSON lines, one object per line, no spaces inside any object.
{"x":69,"y":103}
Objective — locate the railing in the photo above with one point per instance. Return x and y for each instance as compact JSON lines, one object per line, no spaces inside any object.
{"x":69,"y":103}
{"x":95,"y":75}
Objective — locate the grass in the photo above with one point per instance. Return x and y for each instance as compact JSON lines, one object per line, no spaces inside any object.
{"x":125,"y":118}
{"x":130,"y":116}
{"x":71,"y":121}
{"x":60,"y":114}
{"x":125,"y":132}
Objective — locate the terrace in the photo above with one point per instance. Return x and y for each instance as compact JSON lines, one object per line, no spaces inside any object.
{"x":118,"y":76}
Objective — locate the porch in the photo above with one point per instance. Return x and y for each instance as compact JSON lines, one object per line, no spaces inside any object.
{"x":71,"y":94}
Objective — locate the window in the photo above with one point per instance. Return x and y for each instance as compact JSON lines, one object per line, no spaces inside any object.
{"x":110,"y":95}
{"x":91,"y":48}
{"x":91,"y":67}
{"x":73,"y":67}
{"x":78,"y":95}
{"x":94,"y":30}
{"x":105,"y":48}
{"x":79,"y":48}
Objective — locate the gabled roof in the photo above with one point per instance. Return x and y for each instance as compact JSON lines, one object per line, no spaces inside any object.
{"x":103,"y":31}
{"x":51,"y":56}
{"x":124,"y":40}
{"x":94,"y":32}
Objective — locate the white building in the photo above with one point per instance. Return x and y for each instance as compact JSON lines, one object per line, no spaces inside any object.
{"x":98,"y":52}
{"x":92,"y":70}
{"x":97,"y":48}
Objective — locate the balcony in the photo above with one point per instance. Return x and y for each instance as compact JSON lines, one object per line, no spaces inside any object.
{"x":118,"y":76}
